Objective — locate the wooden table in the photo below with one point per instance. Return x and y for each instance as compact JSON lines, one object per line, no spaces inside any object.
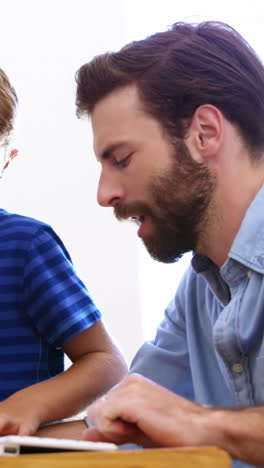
{"x":204,"y":457}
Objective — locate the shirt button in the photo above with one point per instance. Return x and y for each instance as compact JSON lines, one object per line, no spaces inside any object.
{"x":237,"y":368}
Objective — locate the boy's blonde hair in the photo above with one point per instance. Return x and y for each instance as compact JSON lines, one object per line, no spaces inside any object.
{"x":8,"y":103}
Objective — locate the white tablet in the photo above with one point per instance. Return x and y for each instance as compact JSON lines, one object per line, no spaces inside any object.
{"x":14,"y":445}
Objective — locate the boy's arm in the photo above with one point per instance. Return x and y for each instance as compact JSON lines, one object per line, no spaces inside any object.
{"x":97,"y":366}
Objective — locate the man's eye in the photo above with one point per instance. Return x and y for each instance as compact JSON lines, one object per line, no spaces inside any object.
{"x":123,"y":162}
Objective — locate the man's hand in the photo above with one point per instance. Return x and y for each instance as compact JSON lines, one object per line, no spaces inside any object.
{"x":140,"y":411}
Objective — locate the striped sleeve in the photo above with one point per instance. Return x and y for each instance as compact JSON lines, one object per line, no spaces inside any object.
{"x":54,"y":296}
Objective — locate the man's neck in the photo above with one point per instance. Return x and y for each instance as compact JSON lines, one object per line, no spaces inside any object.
{"x":232,"y":199}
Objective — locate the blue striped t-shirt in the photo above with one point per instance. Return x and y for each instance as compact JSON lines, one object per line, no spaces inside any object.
{"x":43,"y":303}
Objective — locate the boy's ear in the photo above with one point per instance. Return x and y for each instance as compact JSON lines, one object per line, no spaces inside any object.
{"x":11,"y":156}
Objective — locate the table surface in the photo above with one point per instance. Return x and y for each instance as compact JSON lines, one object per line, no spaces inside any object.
{"x":203,"y":457}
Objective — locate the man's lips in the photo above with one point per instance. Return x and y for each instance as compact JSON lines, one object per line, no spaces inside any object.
{"x":140,"y":220}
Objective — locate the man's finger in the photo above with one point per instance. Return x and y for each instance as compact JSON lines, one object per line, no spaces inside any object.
{"x":94,"y":435}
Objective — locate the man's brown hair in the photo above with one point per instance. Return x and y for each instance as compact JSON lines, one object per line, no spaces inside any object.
{"x":178,"y":70}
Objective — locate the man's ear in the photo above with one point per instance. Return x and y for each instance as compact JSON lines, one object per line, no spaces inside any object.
{"x":205,"y":133}
{"x":11,"y":156}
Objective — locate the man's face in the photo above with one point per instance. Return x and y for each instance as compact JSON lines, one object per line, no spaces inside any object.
{"x":148,"y":178}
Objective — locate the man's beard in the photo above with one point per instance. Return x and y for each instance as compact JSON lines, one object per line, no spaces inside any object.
{"x":178,"y":207}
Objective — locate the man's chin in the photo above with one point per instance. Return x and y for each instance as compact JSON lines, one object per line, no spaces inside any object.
{"x":161,"y":255}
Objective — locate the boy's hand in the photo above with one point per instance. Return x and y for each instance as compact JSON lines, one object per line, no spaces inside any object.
{"x":18,"y":416}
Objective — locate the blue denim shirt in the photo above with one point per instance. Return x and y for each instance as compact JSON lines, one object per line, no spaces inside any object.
{"x":210,"y":345}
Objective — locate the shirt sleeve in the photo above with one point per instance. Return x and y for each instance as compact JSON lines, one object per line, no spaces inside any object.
{"x":55,"y":298}
{"x":165,"y":360}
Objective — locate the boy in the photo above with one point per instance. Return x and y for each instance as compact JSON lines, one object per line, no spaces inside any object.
{"x":45,"y":310}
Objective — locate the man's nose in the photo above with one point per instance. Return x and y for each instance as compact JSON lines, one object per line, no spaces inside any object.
{"x":109,"y":192}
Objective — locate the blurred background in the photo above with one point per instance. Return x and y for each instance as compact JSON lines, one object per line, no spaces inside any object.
{"x":42,"y":44}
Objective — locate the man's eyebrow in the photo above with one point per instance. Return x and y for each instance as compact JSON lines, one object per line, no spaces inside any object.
{"x":110,"y":149}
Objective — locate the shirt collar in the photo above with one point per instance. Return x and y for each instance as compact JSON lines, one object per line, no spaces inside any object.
{"x":248,"y":245}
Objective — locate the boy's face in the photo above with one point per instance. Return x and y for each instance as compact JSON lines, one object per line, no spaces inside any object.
{"x":147,"y":178}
